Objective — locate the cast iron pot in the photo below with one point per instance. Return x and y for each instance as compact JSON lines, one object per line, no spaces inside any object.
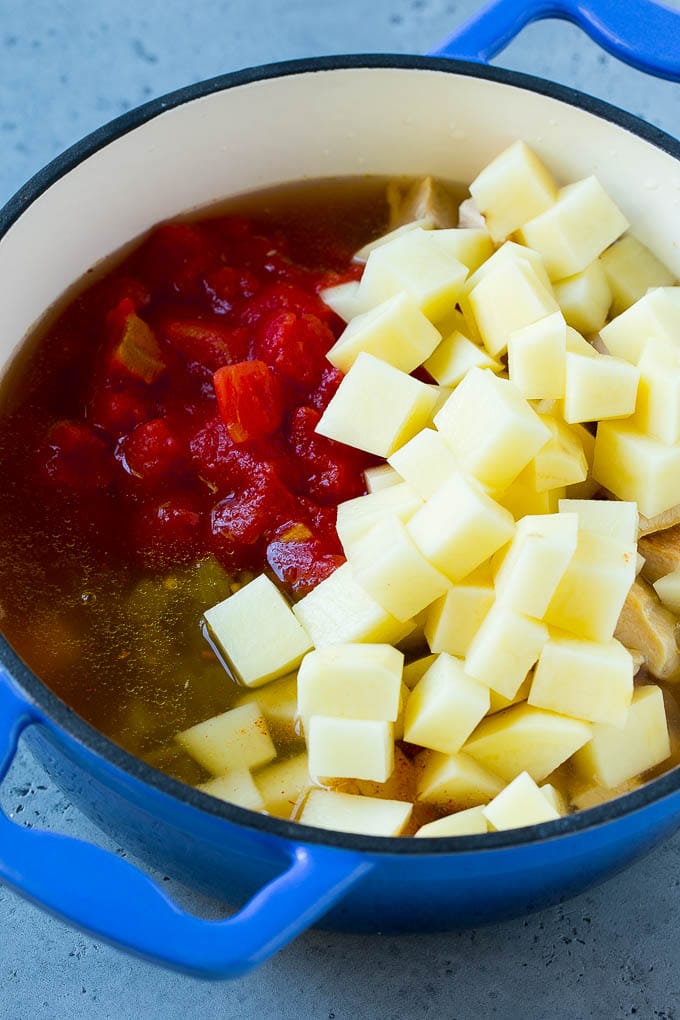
{"x":252,"y":129}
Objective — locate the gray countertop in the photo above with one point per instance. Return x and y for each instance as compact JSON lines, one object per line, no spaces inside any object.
{"x":67,"y":66}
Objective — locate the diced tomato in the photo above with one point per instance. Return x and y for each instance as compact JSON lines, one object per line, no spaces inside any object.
{"x":76,"y":457}
{"x":135,"y":349}
{"x":227,"y":287}
{"x":301,"y":564}
{"x":328,"y":386}
{"x":242,"y":522}
{"x":295,"y":345}
{"x":151,"y":452}
{"x":276,"y":297}
{"x":333,"y":472}
{"x":169,"y":532}
{"x":117,"y":411}
{"x":209,"y":344}
{"x":248,"y":399}
{"x":175,"y":258}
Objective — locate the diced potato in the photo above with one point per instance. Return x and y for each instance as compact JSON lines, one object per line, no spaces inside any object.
{"x":348,"y":812}
{"x":424,"y":223}
{"x":470,"y":822}
{"x":535,"y":562}
{"x":599,"y":387}
{"x":350,"y":748}
{"x":414,"y":671}
{"x":235,"y":787}
{"x":444,"y":707}
{"x":668,"y":590}
{"x":491,"y":429}
{"x":576,"y":229}
{"x":427,"y":199}
{"x":395,"y":331}
{"x":615,"y":755}
{"x":657,"y":314}
{"x":354,"y":681}
{"x":256,"y":630}
{"x":510,"y":252}
{"x":554,"y":797}
{"x":382,"y":476}
{"x":646,"y":624}
{"x":415,"y":265}
{"x":537,"y":358}
{"x":587,"y":488}
{"x":283,"y":784}
{"x":471,"y":246}
{"x":344,"y":299}
{"x":585,"y":679}
{"x":526,"y":739}
{"x":456,"y":781}
{"x":512,"y":189}
{"x":376,"y":408}
{"x":425,"y":462}
{"x":577,"y":344}
{"x":561,"y":461}
{"x":504,"y":649}
{"x":277,"y":701}
{"x":455,"y":356}
{"x":520,"y":803}
{"x":339,"y":611}
{"x":454,"y":619}
{"x":505,"y":300}
{"x":521,"y":498}
{"x":387,"y":563}
{"x":499,"y":703}
{"x":460,"y":527}
{"x":631,"y":270}
{"x":237,"y":739}
{"x":657,"y":411}
{"x":611,"y":519}
{"x":442,"y":394}
{"x":637,"y":467}
{"x":585,"y":298}
{"x":357,"y":516}
{"x":593,"y":589}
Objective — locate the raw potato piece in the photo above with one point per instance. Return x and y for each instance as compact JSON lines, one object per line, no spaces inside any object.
{"x":585,"y":298}
{"x":357,"y":516}
{"x":427,"y":200}
{"x":470,"y":822}
{"x":646,"y":624}
{"x":526,"y":739}
{"x":376,"y":408}
{"x":236,"y":787}
{"x":535,"y":562}
{"x":457,"y":781}
{"x":258,"y":633}
{"x":415,"y":670}
{"x":347,"y":812}
{"x":380,"y":477}
{"x":637,"y":467}
{"x":576,"y":229}
{"x":453,"y":620}
{"x":504,"y":649}
{"x":512,"y":189}
{"x":657,"y":411}
{"x":614,"y":756}
{"x":510,"y":252}
{"x":354,"y":681}
{"x":507,"y":299}
{"x":455,"y":356}
{"x":599,"y":387}
{"x":283,"y":784}
{"x":236,"y":739}
{"x":362,"y":254}
{"x":656,"y":314}
{"x":472,"y":247}
{"x":588,"y":488}
{"x":668,"y":590}
{"x":631,"y":270}
{"x":344,"y":299}
{"x":350,"y":748}
{"x":445,"y":706}
{"x":561,"y":461}
{"x":612,"y":519}
{"x":499,"y":703}
{"x":425,"y":462}
{"x":521,"y":498}
{"x":537,"y":358}
{"x":520,"y":803}
{"x":395,"y":331}
{"x":277,"y":701}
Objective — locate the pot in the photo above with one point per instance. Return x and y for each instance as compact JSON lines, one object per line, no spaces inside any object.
{"x":312,"y":118}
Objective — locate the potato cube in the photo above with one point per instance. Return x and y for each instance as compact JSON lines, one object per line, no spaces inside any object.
{"x":657,"y":411}
{"x":631,"y":270}
{"x":277,"y":701}
{"x":512,"y":189}
{"x":237,"y":739}
{"x":535,"y":562}
{"x":554,"y":797}
{"x":350,"y":748}
{"x":414,"y":264}
{"x":456,"y":781}
{"x":357,"y":516}
{"x":283,"y":784}
{"x":455,"y":356}
{"x":615,"y":755}
{"x":424,"y":223}
{"x":395,"y":331}
{"x":382,"y":476}
{"x":442,"y":394}
{"x":505,"y":300}
{"x":657,"y":314}
{"x":470,"y":822}
{"x":256,"y":630}
{"x":387,"y":564}
{"x":584,"y":298}
{"x":576,"y":229}
{"x":344,"y":299}
{"x":235,"y":787}
{"x":454,"y":619}
{"x":577,"y":344}
{"x":460,"y":527}
{"x":499,"y":703}
{"x":589,"y":598}
{"x":348,"y":812}
{"x":537,"y":358}
{"x":445,"y":706}
{"x":354,"y":681}
{"x":586,"y":679}
{"x":561,"y":461}
{"x":521,"y":498}
{"x":414,"y":671}
{"x":425,"y":462}
{"x":637,"y":467}
{"x":491,"y":429}
{"x":504,"y":649}
{"x":339,"y":611}
{"x":520,"y":803}
{"x":472,"y":245}
{"x":587,"y":488}
{"x":510,"y":252}
{"x":526,"y":739}
{"x":599,"y":387}
{"x":668,"y":590}
{"x":376,"y":408}
{"x":611,"y":519}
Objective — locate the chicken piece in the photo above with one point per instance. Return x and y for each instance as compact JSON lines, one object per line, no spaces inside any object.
{"x":661,"y":551}
{"x":422,"y":200}
{"x":647,"y":625}
{"x":470,"y":216}
{"x":638,"y":660}
{"x":660,"y":522}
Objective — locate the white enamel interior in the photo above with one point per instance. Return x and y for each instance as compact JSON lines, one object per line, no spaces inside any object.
{"x":315,"y":124}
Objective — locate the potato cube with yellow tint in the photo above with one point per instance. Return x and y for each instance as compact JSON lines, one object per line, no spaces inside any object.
{"x":349,"y":812}
{"x":235,"y":787}
{"x":599,"y":387}
{"x":470,"y":822}
{"x":561,"y":461}
{"x":388,"y":564}
{"x":587,"y":488}
{"x":505,"y":300}
{"x":576,"y":229}
{"x":586,"y":679}
{"x":521,"y":498}
{"x":416,"y":670}
{"x":512,"y":189}
{"x":536,"y":561}
{"x":521,"y":803}
{"x":444,"y":707}
{"x":657,"y":411}
{"x":354,"y":681}
{"x":668,"y":590}
{"x":454,"y":619}
{"x":283,"y":784}
{"x":470,"y":245}
{"x":382,"y":476}
{"x":357,"y":516}
{"x":395,"y":331}
{"x":526,"y":739}
{"x":350,"y":748}
{"x":537,"y":358}
{"x":657,"y":314}
{"x":615,"y":755}
{"x":455,"y":356}
{"x":460,"y":527}
{"x":584,"y":298}
{"x":237,"y":739}
{"x":456,"y":781}
{"x":376,"y":408}
{"x":491,"y":429}
{"x":611,"y":519}
{"x":425,"y":462}
{"x":510,"y":252}
{"x":504,"y":649}
{"x":499,"y":703}
{"x":343,"y":299}
{"x":637,"y":467}
{"x":631,"y":269}
{"x":362,"y":254}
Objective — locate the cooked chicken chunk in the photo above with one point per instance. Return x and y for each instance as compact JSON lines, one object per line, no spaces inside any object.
{"x":661,"y":551}
{"x":645,"y":624}
{"x":421,"y":200}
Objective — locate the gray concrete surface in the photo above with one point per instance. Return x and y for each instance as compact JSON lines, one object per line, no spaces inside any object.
{"x":65,"y":68}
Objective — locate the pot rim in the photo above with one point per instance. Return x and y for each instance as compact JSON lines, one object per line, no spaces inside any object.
{"x":134,"y":768}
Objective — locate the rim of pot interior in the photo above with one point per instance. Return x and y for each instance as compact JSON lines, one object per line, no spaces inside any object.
{"x":85,"y":734}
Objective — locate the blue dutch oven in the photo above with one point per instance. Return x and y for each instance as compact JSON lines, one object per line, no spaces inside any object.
{"x":312,"y":118}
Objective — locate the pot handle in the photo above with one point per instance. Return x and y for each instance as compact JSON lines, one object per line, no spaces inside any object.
{"x":113,"y":900}
{"x":642,"y":33}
